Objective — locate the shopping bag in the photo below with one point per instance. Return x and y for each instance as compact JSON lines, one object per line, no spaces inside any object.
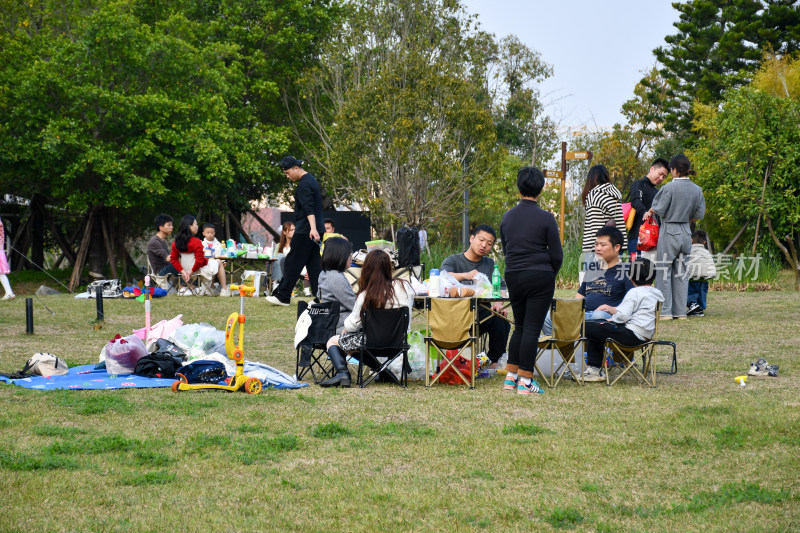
{"x":648,"y":235}
{"x":628,"y":213}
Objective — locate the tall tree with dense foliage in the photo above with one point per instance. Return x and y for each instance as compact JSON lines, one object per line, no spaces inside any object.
{"x":393,"y":112}
{"x":137,"y":105}
{"x":719,"y":45}
{"x":747,"y":159}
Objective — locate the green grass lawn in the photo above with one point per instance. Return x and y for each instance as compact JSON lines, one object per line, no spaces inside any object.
{"x":697,"y":453}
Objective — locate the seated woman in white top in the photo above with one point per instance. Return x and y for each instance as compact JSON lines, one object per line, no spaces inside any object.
{"x":377,"y":290}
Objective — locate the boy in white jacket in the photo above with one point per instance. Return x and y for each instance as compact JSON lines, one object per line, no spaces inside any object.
{"x":631,"y":323}
{"x":701,"y":268}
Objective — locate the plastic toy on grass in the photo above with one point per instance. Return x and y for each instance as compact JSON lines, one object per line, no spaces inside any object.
{"x":235,"y":351}
{"x":741,"y":380}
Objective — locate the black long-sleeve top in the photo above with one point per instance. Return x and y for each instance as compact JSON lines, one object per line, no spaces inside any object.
{"x":307,"y":201}
{"x":642,"y":193}
{"x":530,"y":239}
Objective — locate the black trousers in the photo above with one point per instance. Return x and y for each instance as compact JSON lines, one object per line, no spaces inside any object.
{"x":498,"y":330}
{"x":597,"y":331}
{"x":530,"y":293}
{"x":304,"y":253}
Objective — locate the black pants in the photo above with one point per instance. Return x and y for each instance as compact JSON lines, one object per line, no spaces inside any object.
{"x":597,"y":331}
{"x":304,"y":253}
{"x":498,"y":330}
{"x":530,"y":293}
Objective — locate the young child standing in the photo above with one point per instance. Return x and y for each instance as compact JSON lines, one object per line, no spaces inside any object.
{"x":632,"y":322}
{"x":701,"y":269}
{"x":4,"y":268}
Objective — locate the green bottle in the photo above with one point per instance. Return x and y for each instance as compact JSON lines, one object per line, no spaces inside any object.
{"x":496,"y":281}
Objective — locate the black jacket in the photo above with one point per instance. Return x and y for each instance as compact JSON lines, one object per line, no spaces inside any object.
{"x":307,"y":201}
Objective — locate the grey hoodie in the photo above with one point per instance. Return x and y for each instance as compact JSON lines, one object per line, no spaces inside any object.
{"x":334,"y":287}
{"x":638,"y":311}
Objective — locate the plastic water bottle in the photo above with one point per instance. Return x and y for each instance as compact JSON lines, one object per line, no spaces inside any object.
{"x":496,"y":282}
{"x":433,"y":284}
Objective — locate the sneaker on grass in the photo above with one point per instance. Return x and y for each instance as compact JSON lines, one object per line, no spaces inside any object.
{"x":530,"y":388}
{"x":509,"y":383}
{"x":592,"y":373}
{"x":275,"y":301}
{"x":694,"y":309}
{"x":758,"y":368}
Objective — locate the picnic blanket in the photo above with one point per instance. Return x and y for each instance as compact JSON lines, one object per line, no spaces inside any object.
{"x":86,"y":377}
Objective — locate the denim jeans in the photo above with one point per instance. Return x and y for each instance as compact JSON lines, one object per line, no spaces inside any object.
{"x":547,"y":327}
{"x":698,"y":292}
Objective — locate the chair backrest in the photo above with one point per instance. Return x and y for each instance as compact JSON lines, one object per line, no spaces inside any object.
{"x":451,"y":320}
{"x":324,"y":318}
{"x":658,"y":314}
{"x":385,"y":328}
{"x":352,"y":274}
{"x":568,"y":318}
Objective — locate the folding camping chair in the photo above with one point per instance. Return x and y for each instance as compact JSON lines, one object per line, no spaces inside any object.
{"x":568,"y":317}
{"x":166,"y":282}
{"x":451,"y":326}
{"x":312,"y":351}
{"x":205,"y":284}
{"x":385,"y":336}
{"x":625,"y":358}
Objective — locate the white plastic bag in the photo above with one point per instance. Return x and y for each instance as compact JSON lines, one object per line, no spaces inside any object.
{"x":416,"y":355}
{"x":122,"y":354}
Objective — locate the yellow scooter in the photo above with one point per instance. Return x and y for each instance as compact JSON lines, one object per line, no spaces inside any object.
{"x":239,"y":381}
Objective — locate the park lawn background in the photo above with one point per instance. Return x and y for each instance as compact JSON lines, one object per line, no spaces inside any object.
{"x":697,"y":453}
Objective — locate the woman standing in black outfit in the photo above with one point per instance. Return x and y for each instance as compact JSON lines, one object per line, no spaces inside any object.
{"x":533,"y":253}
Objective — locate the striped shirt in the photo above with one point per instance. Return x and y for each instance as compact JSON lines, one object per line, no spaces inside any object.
{"x":603,"y":203}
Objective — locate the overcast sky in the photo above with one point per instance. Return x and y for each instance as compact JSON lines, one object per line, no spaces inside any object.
{"x":598,"y":48}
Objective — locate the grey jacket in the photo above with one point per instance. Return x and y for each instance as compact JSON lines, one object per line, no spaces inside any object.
{"x":334,"y":287}
{"x":638,"y":311}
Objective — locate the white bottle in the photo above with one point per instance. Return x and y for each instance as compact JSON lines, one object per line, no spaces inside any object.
{"x":433,"y":284}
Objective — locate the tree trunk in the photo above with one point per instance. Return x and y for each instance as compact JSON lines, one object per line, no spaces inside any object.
{"x":82,"y":251}
{"x":109,"y":244}
{"x":37,"y":236}
{"x":238,"y":225}
{"x":789,"y":253}
{"x":275,"y":235}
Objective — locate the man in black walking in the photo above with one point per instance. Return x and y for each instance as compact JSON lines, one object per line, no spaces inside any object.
{"x":308,"y":227}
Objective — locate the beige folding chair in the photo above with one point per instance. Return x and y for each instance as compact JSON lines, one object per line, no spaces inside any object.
{"x":205,"y":284}
{"x":451,"y":325}
{"x":625,"y":358}
{"x":568,"y":317}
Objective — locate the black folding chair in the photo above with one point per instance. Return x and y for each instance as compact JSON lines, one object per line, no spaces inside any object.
{"x":312,"y":352}
{"x":385,"y":335}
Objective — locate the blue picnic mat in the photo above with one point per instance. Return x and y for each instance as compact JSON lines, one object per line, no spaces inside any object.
{"x":86,"y":377}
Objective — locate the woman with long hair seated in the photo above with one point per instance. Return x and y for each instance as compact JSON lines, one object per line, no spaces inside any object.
{"x":333,"y":286}
{"x":186,"y":242}
{"x":377,"y":290}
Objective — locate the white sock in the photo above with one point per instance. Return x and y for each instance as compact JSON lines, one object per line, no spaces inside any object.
{"x":526,"y":381}
{"x":512,"y":375}
{"x":6,"y":284}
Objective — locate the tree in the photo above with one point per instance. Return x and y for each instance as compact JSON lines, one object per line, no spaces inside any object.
{"x":747,"y":160}
{"x":523,"y":127}
{"x":132,"y":107}
{"x":719,"y":44}
{"x":392,"y":113}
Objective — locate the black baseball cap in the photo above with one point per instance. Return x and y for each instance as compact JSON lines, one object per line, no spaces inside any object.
{"x":290,"y":162}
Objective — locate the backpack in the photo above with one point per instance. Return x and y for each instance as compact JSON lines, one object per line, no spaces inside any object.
{"x":45,"y":364}
{"x":202,"y":372}
{"x":158,"y":365}
{"x":41,"y":364}
{"x":407,"y":243}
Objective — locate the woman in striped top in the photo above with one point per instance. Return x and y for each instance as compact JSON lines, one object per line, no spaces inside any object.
{"x":603,"y":202}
